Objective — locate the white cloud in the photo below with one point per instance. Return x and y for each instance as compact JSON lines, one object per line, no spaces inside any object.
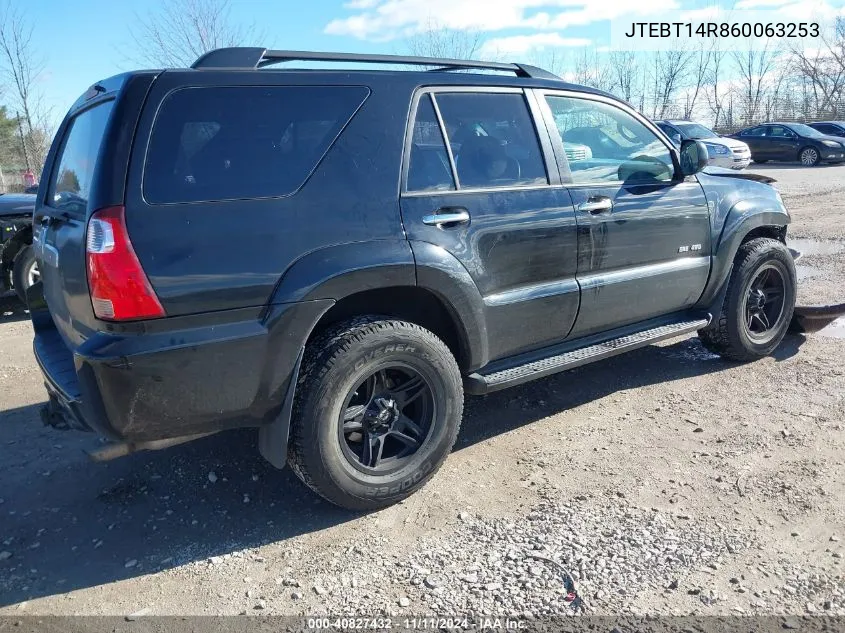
{"x":361,"y":4}
{"x":760,"y":4}
{"x":521,"y":44}
{"x":707,"y":13}
{"x":393,"y":19}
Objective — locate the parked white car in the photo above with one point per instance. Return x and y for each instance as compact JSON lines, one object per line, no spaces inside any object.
{"x":722,"y":151}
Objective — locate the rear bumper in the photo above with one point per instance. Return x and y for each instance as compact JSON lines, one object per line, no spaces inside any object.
{"x":175,"y":377}
{"x":64,"y":407}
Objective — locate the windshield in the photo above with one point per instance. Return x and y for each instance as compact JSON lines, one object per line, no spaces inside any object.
{"x":805,"y":130}
{"x":695,"y":131}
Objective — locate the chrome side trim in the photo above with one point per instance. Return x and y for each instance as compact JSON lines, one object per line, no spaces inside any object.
{"x":629,"y":274}
{"x":529,"y":293}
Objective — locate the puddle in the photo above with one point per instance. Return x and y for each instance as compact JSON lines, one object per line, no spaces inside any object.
{"x":808,"y":247}
{"x":835,"y":329}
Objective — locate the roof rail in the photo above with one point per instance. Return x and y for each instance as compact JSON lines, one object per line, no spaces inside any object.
{"x":251,"y":58}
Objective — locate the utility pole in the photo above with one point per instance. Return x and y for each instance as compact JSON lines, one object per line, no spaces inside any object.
{"x":23,"y":142}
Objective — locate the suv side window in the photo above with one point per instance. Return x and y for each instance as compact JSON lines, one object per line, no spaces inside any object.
{"x":230,"y":143}
{"x":493,"y":139}
{"x":618,"y":147}
{"x":70,"y":183}
{"x":429,"y":168}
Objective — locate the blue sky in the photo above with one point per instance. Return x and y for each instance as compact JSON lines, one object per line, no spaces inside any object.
{"x":87,"y":40}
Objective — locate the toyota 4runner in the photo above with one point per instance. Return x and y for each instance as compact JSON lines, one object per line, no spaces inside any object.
{"x":335,"y":256}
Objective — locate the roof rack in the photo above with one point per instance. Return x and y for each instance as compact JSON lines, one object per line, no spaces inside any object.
{"x":243,"y":58}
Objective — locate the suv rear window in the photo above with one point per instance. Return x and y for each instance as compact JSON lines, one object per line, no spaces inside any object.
{"x":70,"y":184}
{"x":243,"y":142}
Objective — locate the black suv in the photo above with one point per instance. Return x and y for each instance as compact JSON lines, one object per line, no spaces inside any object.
{"x":335,"y":256}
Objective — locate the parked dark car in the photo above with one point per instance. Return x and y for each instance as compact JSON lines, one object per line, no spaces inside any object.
{"x":334,"y":257}
{"x":830,"y":128}
{"x":791,"y":141}
{"x":18,"y":268}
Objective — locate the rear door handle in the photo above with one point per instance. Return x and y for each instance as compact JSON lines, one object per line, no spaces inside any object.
{"x":596,"y":205}
{"x":447,"y":216}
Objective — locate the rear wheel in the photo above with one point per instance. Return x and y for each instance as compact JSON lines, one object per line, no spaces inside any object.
{"x":809,"y":156}
{"x":25,"y":273}
{"x":378,"y":407}
{"x":759,"y":303}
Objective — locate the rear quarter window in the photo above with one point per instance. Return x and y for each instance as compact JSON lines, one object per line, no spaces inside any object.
{"x":70,"y":183}
{"x":235,"y":143}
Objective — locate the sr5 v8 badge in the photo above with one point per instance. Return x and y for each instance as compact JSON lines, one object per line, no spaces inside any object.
{"x":689,"y":248}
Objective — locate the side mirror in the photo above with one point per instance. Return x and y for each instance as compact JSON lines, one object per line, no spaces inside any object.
{"x":693,"y":157}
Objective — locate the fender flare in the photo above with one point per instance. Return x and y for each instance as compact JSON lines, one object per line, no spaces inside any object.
{"x":744,"y":217}
{"x":439,"y":272}
{"x":334,"y":272}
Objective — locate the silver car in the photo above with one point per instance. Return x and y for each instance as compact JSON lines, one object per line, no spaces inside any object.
{"x":722,"y":151}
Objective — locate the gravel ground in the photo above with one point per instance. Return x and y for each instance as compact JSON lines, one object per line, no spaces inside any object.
{"x":666,"y":482}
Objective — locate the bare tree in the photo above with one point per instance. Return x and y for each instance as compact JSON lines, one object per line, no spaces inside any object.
{"x":20,"y":69}
{"x":715,"y":91}
{"x":594,"y":71}
{"x":623,"y":68}
{"x":754,"y":67}
{"x":823,"y":69}
{"x":700,"y":66}
{"x":183,"y":30}
{"x":555,"y":60}
{"x":435,"y":40}
{"x":670,"y":73}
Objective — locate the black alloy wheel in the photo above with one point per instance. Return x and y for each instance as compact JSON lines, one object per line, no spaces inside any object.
{"x":386,"y":419}
{"x":764,"y":303}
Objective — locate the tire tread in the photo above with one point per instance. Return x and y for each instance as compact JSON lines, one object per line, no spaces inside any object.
{"x":717,"y":337}
{"x":321,"y":354}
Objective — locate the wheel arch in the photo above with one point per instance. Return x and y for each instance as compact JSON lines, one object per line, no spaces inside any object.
{"x":418,"y":282}
{"x":747,"y":220}
{"x":414,"y":304}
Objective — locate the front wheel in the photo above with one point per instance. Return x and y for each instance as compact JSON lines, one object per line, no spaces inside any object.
{"x":377,"y":410}
{"x":809,"y":156}
{"x":759,"y":303}
{"x":25,"y":273}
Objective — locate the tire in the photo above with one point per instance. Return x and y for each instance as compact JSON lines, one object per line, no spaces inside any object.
{"x":809,"y":156}
{"x":348,"y":373}
{"x":736,"y":334}
{"x":24,"y":272}
{"x":759,"y":161}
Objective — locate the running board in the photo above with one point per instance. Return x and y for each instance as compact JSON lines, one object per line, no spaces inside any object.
{"x":479,"y":384}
